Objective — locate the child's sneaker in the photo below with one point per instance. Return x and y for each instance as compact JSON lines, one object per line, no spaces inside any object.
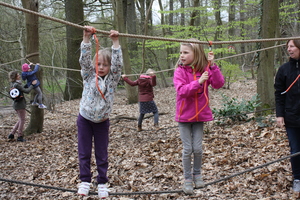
{"x":188,"y":187}
{"x":84,"y":188}
{"x":296,"y":185}
{"x":42,"y":106}
{"x":103,"y":191}
{"x":198,"y":181}
{"x":35,"y":104}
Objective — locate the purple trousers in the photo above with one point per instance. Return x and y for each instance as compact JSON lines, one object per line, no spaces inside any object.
{"x":88,"y":130}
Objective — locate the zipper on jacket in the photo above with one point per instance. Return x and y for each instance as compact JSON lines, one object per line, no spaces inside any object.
{"x":196,"y":95}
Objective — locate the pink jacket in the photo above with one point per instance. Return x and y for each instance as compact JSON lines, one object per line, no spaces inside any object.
{"x":190,"y":97}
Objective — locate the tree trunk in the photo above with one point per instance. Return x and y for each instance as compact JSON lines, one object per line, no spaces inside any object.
{"x":32,"y":43}
{"x":217,"y":7}
{"x":131,"y":27}
{"x":118,"y":9}
{"x":266,"y":70}
{"x":74,"y":14}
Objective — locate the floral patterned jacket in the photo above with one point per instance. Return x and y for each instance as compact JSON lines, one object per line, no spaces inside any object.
{"x":92,"y":106}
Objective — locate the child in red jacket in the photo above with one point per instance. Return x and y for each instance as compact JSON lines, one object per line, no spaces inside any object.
{"x":145,"y":85}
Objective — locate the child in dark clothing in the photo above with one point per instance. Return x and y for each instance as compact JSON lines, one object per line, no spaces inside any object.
{"x":19,"y":105}
{"x":146,"y":103}
{"x":29,"y":76}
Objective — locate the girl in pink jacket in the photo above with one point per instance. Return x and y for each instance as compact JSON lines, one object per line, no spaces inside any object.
{"x":193,"y":74}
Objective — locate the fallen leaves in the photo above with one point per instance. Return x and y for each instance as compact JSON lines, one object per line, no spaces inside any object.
{"x":149,"y":160}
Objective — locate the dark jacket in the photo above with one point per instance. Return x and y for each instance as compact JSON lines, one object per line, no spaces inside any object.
{"x":21,"y":104}
{"x":288,"y":104}
{"x":30,"y":76}
{"x":145,"y":85}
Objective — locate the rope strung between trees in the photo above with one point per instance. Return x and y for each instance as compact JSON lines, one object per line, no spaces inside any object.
{"x":144,"y":36}
{"x":27,"y":56}
{"x":165,"y":70}
{"x":154,"y":192}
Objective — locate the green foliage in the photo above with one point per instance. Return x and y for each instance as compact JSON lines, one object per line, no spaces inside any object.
{"x":235,"y":110}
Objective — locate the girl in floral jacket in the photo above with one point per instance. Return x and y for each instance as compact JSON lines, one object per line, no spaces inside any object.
{"x":95,"y":107}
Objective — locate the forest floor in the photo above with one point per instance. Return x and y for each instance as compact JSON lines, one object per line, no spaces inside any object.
{"x":150,"y":160}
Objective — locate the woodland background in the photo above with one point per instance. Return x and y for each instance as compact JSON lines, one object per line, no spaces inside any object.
{"x":56,"y":47}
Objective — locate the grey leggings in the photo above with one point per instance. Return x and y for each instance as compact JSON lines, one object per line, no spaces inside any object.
{"x":39,"y":95}
{"x":191,"y":134}
{"x":141,"y":117}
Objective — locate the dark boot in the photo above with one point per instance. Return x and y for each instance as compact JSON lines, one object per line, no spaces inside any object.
{"x":11,"y":136}
{"x":139,"y":128}
{"x":156,"y":126}
{"x":21,"y":139}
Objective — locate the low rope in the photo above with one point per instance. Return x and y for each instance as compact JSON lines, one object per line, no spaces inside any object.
{"x":153,"y":192}
{"x":144,"y":36}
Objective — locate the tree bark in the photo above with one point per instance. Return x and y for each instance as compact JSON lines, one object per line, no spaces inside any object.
{"x":131,"y":92}
{"x":74,"y":14}
{"x":32,"y":43}
{"x":266,"y":70}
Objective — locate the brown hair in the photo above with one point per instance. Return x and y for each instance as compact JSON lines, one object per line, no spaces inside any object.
{"x":12,"y":76}
{"x":296,"y":43}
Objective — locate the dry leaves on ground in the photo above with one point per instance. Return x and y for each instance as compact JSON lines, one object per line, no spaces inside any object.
{"x":149,"y":160}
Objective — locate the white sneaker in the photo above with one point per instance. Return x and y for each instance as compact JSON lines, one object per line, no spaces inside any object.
{"x":42,"y":106}
{"x":103,"y":191}
{"x":296,"y":185}
{"x":84,"y":188}
{"x":35,"y":104}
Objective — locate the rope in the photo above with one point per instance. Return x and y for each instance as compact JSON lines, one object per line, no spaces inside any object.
{"x":296,"y":79}
{"x":155,"y":192}
{"x":96,"y":61}
{"x":27,"y":56}
{"x":144,"y":36}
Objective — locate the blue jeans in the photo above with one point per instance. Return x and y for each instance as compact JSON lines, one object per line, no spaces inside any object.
{"x":191,"y":134}
{"x":294,"y":142}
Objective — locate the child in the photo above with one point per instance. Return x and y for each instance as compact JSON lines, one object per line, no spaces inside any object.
{"x":193,"y":74}
{"x":95,"y":107}
{"x":29,"y":75}
{"x":19,"y":105}
{"x":147,"y":105}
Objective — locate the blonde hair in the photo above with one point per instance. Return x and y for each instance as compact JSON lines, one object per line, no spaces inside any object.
{"x":12,"y":76}
{"x":200,"y":59}
{"x":105,"y":53}
{"x":149,"y":71}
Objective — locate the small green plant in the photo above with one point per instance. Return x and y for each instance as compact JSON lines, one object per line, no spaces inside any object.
{"x":235,"y":110}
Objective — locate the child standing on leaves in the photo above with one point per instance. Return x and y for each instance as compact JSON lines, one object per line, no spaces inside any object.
{"x":95,"y":107}
{"x":146,"y":103}
{"x":19,"y":104}
{"x":30,"y":76}
{"x":193,"y":74}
